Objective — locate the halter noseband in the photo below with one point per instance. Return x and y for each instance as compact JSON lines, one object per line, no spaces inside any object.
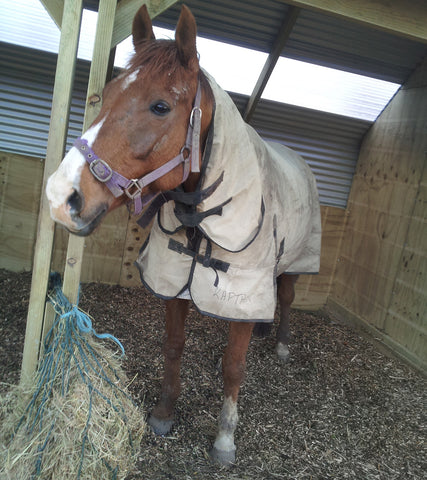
{"x":119,"y":185}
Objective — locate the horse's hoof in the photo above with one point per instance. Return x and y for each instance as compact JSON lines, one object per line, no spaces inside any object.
{"x":282,"y":351}
{"x":225,"y":458}
{"x":160,"y":427}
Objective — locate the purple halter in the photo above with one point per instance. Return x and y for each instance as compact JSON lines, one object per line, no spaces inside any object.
{"x":119,"y":185}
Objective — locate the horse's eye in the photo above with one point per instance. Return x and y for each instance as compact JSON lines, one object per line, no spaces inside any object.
{"x":160,"y":108}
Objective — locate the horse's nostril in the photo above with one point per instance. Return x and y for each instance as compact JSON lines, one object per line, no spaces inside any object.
{"x":75,"y":201}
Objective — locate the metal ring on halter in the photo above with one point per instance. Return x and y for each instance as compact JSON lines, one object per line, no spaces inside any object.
{"x":192,"y":115}
{"x":183,"y":149}
{"x":136,"y":192}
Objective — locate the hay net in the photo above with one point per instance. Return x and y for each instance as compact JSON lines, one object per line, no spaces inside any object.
{"x":76,"y":420}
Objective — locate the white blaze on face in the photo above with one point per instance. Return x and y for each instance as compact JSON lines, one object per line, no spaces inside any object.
{"x":66,"y":178}
{"x":129,"y":79}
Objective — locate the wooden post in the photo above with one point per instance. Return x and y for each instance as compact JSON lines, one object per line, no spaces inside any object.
{"x":106,"y":31}
{"x":97,"y":79}
{"x":55,"y":149}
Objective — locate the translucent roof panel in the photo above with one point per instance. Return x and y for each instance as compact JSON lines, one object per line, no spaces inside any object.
{"x":293,"y":82}
{"x":329,"y":90}
{"x":236,"y":69}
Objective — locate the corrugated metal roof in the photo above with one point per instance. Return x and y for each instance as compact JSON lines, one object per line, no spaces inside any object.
{"x":27,"y":23}
{"x":330,"y":143}
{"x":236,"y":69}
{"x":26,"y":89}
{"x":337,"y":43}
{"x":316,"y":38}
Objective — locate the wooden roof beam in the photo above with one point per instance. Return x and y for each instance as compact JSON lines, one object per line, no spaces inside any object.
{"x":400,"y":17}
{"x":281,"y":39}
{"x":125,"y":12}
{"x":55,"y":9}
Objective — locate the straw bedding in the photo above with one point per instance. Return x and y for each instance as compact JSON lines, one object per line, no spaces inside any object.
{"x":341,"y":409}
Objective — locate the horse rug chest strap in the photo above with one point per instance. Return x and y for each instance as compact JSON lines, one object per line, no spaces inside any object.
{"x":182,"y":200}
{"x":206,"y":260}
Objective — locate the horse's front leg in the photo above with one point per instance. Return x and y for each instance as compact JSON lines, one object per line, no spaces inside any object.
{"x":161,"y":419}
{"x":233,"y":370}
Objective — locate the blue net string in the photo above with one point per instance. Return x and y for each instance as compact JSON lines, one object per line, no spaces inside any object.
{"x":65,"y":310}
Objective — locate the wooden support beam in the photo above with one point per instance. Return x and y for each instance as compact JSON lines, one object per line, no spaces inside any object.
{"x":400,"y":17}
{"x":97,"y":80}
{"x":282,"y":38}
{"x":55,"y":9}
{"x":126,"y":10}
{"x":55,"y":149}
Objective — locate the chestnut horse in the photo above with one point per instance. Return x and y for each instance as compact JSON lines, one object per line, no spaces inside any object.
{"x":151,"y":136}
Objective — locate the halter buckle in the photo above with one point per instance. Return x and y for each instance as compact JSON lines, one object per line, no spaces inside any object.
{"x":136,"y":189}
{"x":199,"y":110}
{"x":101,"y":170}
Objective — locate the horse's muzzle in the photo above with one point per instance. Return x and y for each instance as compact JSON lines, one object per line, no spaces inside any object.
{"x":76,"y":203}
{"x":82,"y":228}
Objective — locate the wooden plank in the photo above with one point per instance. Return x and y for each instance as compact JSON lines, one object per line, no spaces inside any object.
{"x":406,"y":320}
{"x":97,"y":79}
{"x":362,"y":291}
{"x":55,"y":147}
{"x":126,"y":10}
{"x":135,"y":238}
{"x":104,"y":249}
{"x":379,"y":276}
{"x":312,"y":291}
{"x":400,"y":17}
{"x":401,"y":330}
{"x":381,"y":340}
{"x":270,"y":63}
{"x":18,"y":211}
{"x":381,"y":204}
{"x":21,"y":185}
{"x":55,"y":9}
{"x":369,"y":257}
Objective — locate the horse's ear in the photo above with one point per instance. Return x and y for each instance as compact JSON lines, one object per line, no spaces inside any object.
{"x":185,"y":37}
{"x":142,"y":28}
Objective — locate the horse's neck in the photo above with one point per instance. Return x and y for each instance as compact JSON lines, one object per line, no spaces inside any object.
{"x":206,"y":105}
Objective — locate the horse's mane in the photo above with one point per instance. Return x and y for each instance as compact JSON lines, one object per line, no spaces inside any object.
{"x":156,"y":57}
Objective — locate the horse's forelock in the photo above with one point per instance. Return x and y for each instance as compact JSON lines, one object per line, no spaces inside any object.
{"x":160,"y":56}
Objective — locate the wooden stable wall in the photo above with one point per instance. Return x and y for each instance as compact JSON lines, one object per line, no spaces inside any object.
{"x":380,"y":279}
{"x":111,"y":251}
{"x":20,"y":184}
{"x":374,"y":259}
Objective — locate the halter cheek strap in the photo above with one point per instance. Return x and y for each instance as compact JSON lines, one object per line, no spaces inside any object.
{"x":119,"y":185}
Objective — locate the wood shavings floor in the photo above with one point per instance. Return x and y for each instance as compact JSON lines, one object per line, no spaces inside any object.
{"x":339,"y":410}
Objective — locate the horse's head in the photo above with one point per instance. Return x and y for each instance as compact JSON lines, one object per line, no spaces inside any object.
{"x":142,"y":125}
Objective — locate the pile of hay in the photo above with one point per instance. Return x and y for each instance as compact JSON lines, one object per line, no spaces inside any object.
{"x":91,"y":432}
{"x":76,"y":420}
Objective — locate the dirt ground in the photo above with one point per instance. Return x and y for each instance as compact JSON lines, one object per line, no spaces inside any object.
{"x":339,"y":410}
